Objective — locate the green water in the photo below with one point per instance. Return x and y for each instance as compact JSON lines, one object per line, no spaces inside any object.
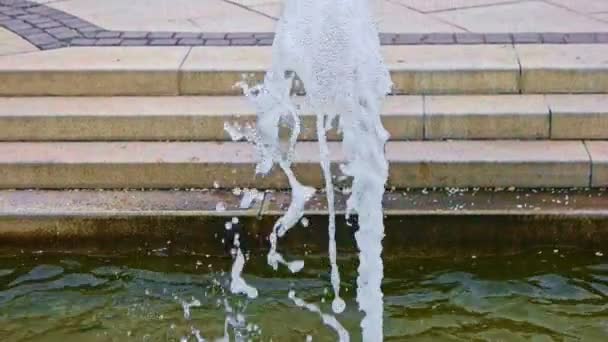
{"x":538,"y":296}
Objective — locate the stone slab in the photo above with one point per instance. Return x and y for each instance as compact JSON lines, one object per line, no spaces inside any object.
{"x":422,"y":69}
{"x":581,"y":68}
{"x":207,"y":164}
{"x":451,"y":69}
{"x":93,"y":71}
{"x":486,"y":117}
{"x":598,"y":150}
{"x":489,"y":163}
{"x":217,"y":70}
{"x":163,"y":118}
{"x":440,"y":5}
{"x":579,"y":116}
{"x":93,"y":203}
{"x":521,"y":16}
{"x":415,"y":69}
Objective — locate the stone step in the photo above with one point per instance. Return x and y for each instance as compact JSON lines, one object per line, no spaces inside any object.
{"x":200,"y":118}
{"x":420,"y":223}
{"x":59,"y":165}
{"x":422,"y":69}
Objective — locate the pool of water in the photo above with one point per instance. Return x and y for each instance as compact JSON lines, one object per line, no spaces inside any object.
{"x":541,"y":295}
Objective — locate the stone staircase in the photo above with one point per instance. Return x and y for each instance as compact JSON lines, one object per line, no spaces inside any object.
{"x":461,"y":116}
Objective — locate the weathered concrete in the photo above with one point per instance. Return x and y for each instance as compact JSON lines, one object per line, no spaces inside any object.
{"x":579,"y":116}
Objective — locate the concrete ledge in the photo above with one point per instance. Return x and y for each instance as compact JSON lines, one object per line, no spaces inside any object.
{"x":579,"y":116}
{"x":416,"y":69}
{"x":203,"y":164}
{"x":202,"y":118}
{"x":598,"y":150}
{"x":563,"y":69}
{"x":418,"y":223}
{"x":92,"y":71}
{"x":488,"y":163}
{"x":486,"y":117}
{"x":163,"y":118}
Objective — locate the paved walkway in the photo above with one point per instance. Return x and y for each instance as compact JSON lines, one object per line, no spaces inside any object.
{"x":414,"y":16}
{"x":49,"y":24}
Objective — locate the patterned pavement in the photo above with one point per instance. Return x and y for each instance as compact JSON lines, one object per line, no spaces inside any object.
{"x":47,"y":27}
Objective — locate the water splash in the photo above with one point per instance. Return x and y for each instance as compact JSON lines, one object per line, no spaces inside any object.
{"x":332,"y":47}
{"x":328,"y":320}
{"x":237,"y":283}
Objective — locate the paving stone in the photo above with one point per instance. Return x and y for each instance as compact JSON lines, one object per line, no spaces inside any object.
{"x":163,"y":42}
{"x":553,"y":38}
{"x":83,"y":42}
{"x":499,"y":38}
{"x":217,"y":42}
{"x":49,"y":24}
{"x":264,"y":35}
{"x":63,"y":33}
{"x":598,"y":150}
{"x":239,"y":35}
{"x":30,"y":31}
{"x":190,"y":41}
{"x":601,"y":37}
{"x":387,"y":39}
{"x":243,"y":42}
{"x":469,"y":38}
{"x":160,"y":35}
{"x":108,"y":41}
{"x":17,"y":25}
{"x":54,"y":45}
{"x":76,"y":23}
{"x":212,"y":35}
{"x":554,"y":68}
{"x":584,"y":38}
{"x":134,"y":42}
{"x":439,"y":38}
{"x":41,"y":39}
{"x":265,"y":41}
{"x":107,"y":34}
{"x":409,"y":38}
{"x":530,"y":38}
{"x":486,"y":117}
{"x":579,"y":116}
{"x":134,"y":34}
{"x":188,"y":35}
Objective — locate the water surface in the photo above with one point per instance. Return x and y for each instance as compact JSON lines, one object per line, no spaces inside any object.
{"x":542,"y":295}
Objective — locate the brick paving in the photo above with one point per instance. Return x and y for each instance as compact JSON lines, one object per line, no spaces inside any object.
{"x":49,"y":28}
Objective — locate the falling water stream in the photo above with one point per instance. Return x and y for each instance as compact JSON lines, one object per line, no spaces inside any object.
{"x":332,"y":47}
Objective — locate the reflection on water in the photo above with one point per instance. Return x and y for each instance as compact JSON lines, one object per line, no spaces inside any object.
{"x":541,"y":296}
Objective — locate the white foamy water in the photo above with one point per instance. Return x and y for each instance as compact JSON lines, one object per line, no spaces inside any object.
{"x":237,"y":283}
{"x":333,"y":48}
